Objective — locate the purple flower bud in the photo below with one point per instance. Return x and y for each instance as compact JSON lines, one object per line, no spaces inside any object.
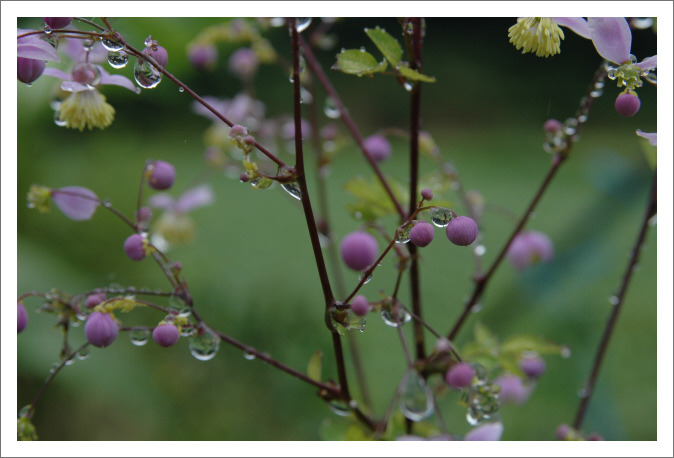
{"x":532,"y":366}
{"x":462,"y":231}
{"x":552,"y":126}
{"x":243,"y":63}
{"x":460,"y":375}
{"x":158,"y":53}
{"x":94,"y":299}
{"x":562,"y":431}
{"x":57,"y":22}
{"x":101,"y":329}
{"x":422,"y":234}
{"x":143,"y":216}
{"x":627,"y":104}
{"x":594,"y":437}
{"x":513,"y":390}
{"x":244,"y":177}
{"x":21,"y":317}
{"x":330,"y":131}
{"x":166,"y":335}
{"x":443,"y":345}
{"x":203,"y":56}
{"x":360,"y":306}
{"x":161,"y":175}
{"x":237,"y":131}
{"x":528,"y":248}
{"x":485,"y":432}
{"x":359,"y":250}
{"x":427,"y":194}
{"x":28,"y":70}
{"x":378,"y":147}
{"x":248,"y":140}
{"x":134,"y":246}
{"x":75,"y":202}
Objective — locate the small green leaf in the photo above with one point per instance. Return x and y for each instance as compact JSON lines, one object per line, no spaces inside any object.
{"x":388,"y":45}
{"x":412,"y":75}
{"x":520,"y":344}
{"x":372,"y":200}
{"x":315,"y":366}
{"x":357,"y":62}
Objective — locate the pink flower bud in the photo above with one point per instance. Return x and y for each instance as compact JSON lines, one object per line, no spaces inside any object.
{"x":134,"y":247}
{"x":243,"y":63}
{"x":21,"y":317}
{"x":422,"y":234}
{"x":28,"y":70}
{"x":166,"y":335}
{"x":378,"y":147}
{"x":203,"y":56}
{"x":528,"y":248}
{"x":360,"y":306}
{"x":485,"y":432}
{"x":161,"y":175}
{"x":57,"y":22}
{"x":462,"y":231}
{"x":158,"y":53}
{"x":562,"y":432}
{"x":359,"y":250}
{"x":513,"y":390}
{"x":552,"y":126}
{"x":101,"y":329}
{"x":532,"y":366}
{"x":427,"y":194}
{"x":627,"y":104}
{"x":94,"y":299}
{"x":460,"y":375}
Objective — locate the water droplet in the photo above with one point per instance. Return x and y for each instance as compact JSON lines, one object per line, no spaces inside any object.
{"x":47,"y":29}
{"x":139,"y":337}
{"x":476,"y":308}
{"x":614,"y":300}
{"x":149,"y":41}
{"x":340,"y":408}
{"x":403,"y":233}
{"x":293,"y":189}
{"x":408,"y":86}
{"x":416,"y":402}
{"x":367,"y":280}
{"x":479,"y":250}
{"x":582,"y":118}
{"x":146,"y":75}
{"x":653,"y":221}
{"x":177,"y":305}
{"x":596,"y":93}
{"x":112,"y":45}
{"x":633,"y":58}
{"x":83,"y":354}
{"x":29,"y":84}
{"x":302,"y":23}
{"x":118,"y":59}
{"x":204,"y":346}
{"x":330,"y":108}
{"x":441,"y":216}
{"x":390,"y":319}
{"x":362,"y":49}
{"x":54,"y":367}
{"x":249,"y":356}
{"x":565,"y":352}
{"x":277,"y":21}
{"x":26,"y":411}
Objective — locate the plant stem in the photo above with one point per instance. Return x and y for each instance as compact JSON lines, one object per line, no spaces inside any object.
{"x":651,"y":210}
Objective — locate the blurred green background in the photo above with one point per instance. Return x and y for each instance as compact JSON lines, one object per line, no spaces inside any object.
{"x":251,"y":270}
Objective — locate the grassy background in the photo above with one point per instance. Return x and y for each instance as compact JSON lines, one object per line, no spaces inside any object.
{"x":251,"y":269}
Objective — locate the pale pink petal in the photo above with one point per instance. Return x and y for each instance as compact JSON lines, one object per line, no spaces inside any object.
{"x":194,"y":198}
{"x":577,"y":24}
{"x":162,"y":201}
{"x":649,"y":63}
{"x":51,"y":71}
{"x":612,"y":37}
{"x":485,"y":432}
{"x":33,"y":47}
{"x":75,"y":202}
{"x":118,"y":80}
{"x":651,"y":137}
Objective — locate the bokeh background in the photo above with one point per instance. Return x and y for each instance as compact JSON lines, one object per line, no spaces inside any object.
{"x":251,"y":270}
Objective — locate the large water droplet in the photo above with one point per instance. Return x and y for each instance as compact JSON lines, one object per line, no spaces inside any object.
{"x":176,"y":304}
{"x":112,"y":45}
{"x":83,"y":354}
{"x":139,"y":337}
{"x":340,"y":408}
{"x":441,"y":216}
{"x":302,"y":23}
{"x":367,"y":280}
{"x":330,"y":108}
{"x":118,"y":59}
{"x":146,"y":75}
{"x":293,"y":189}
{"x":403,"y":233}
{"x":204,"y":346}
{"x":390,"y":319}
{"x":416,"y":401}
{"x":249,"y":356}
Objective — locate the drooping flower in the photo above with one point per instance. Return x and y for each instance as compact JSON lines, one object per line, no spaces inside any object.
{"x":75,"y":202}
{"x":543,"y":35}
{"x":31,"y":54}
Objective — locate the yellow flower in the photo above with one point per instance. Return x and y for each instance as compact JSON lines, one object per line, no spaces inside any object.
{"x":541,"y":35}
{"x":85,"y":109}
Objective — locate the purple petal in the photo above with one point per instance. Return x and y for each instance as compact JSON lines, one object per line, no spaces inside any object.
{"x":74,"y":86}
{"x":162,"y":201}
{"x":577,"y":24}
{"x":118,"y":80}
{"x":51,"y":71}
{"x":650,"y":63}
{"x":75,"y":202}
{"x":485,"y":432}
{"x":194,"y":198}
{"x":33,"y":47}
{"x":612,"y":37}
{"x":651,"y":137}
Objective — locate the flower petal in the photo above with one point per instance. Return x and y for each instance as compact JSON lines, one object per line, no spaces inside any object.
{"x":649,"y":63}
{"x":162,"y":201}
{"x":51,"y":71}
{"x":194,"y":198}
{"x":33,"y":47}
{"x":577,"y":24}
{"x":118,"y":80}
{"x":485,"y":432}
{"x":612,"y":37}
{"x":651,"y":137}
{"x":75,"y":202}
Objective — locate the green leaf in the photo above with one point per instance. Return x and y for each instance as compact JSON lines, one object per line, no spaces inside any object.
{"x":372,"y":199}
{"x":357,"y":62}
{"x":520,"y":344}
{"x":412,"y":75}
{"x":315,"y":366}
{"x":388,"y":45}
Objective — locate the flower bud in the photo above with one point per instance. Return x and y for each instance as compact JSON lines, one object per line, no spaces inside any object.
{"x":486,"y":432}
{"x":528,"y":248}
{"x":21,"y":317}
{"x":532,"y":366}
{"x":422,"y":234}
{"x":161,"y":175}
{"x":158,"y":53}
{"x":378,"y":147}
{"x":562,"y":431}
{"x":462,"y":231}
{"x":460,"y":375}
{"x":134,"y":246}
{"x":427,"y":194}
{"x":243,"y":63}
{"x":627,"y":104}
{"x":101,"y":329}
{"x":166,"y":335}
{"x":360,"y":306}
{"x":203,"y":56}
{"x":552,"y":126}
{"x":513,"y":390}
{"x":28,"y":70}
{"x":94,"y":299}
{"x":359,"y":250}
{"x":57,"y":22}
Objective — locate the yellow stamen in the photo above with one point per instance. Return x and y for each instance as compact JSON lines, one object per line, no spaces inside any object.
{"x":536,"y":34}
{"x":86,"y":109}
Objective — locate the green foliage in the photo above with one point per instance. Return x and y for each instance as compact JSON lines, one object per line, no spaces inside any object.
{"x":372,"y":200}
{"x":386,"y":44}
{"x":357,"y":62}
{"x":315,"y":366}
